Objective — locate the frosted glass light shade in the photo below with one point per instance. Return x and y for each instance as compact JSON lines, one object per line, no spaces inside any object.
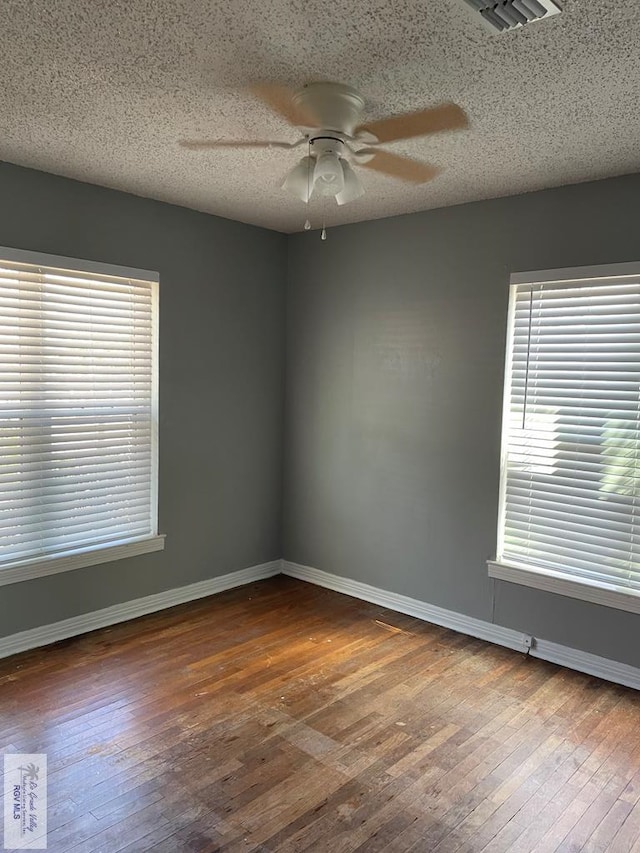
{"x":328,"y":177}
{"x":353,"y":188}
{"x":299,"y":181}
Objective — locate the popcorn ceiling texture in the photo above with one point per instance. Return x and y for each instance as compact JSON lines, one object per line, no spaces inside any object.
{"x":103,"y":91}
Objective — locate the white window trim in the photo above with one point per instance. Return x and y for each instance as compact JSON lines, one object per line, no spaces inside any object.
{"x":92,"y":556}
{"x":550,"y":581}
{"x":77,"y":264}
{"x":67,"y":562}
{"x":534,"y":576}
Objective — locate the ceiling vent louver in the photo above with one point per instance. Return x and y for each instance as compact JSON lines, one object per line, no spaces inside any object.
{"x":511,"y":14}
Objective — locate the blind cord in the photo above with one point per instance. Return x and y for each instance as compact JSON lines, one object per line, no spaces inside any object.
{"x":526,"y":373}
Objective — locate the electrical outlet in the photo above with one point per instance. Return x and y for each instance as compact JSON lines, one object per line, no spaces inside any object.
{"x":528,"y":641}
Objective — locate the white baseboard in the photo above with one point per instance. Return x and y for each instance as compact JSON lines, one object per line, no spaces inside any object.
{"x":46,"y":634}
{"x":610,"y":670}
{"x":619,"y":673}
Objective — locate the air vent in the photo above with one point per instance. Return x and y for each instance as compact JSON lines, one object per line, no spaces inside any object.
{"x":512,"y":14}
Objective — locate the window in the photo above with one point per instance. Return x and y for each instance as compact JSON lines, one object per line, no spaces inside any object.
{"x":570,"y":494}
{"x":78,"y":414}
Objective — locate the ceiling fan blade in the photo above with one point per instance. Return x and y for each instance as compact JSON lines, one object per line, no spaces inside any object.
{"x":281,"y":100}
{"x":444,"y":117}
{"x":203,"y":144}
{"x":402,"y":168}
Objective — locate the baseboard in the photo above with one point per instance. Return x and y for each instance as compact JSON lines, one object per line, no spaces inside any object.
{"x":590,"y":664}
{"x":609,"y":670}
{"x":46,"y":634}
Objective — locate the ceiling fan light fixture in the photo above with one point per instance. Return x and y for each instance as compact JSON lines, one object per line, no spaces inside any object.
{"x":299,"y":181}
{"x":328,"y":175}
{"x":353,"y":188}
{"x":330,"y":117}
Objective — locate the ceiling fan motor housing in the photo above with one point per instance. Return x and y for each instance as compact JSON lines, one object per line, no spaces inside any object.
{"x":334,"y":106}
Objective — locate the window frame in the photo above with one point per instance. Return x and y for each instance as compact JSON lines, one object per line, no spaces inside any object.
{"x":536,"y":577}
{"x":28,"y":569}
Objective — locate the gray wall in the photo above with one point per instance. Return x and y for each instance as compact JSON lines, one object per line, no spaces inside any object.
{"x":221,"y":383}
{"x":395,"y":351}
{"x":395,"y":357}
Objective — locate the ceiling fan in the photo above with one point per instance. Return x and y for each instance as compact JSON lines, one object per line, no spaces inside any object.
{"x":330,"y":116}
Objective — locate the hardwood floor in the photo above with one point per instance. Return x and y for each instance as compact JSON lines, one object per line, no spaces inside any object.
{"x":283,"y":717}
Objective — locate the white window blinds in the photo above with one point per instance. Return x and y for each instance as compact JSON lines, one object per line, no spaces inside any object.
{"x":571,"y":431}
{"x":78,"y":389}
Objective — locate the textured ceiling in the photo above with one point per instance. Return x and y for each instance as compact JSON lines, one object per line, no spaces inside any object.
{"x":103,"y":90}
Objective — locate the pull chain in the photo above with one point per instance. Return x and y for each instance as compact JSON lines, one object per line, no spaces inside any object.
{"x":307,"y":222}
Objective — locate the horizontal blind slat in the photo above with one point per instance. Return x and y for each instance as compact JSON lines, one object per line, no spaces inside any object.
{"x":45,"y":530}
{"x":34,"y":503}
{"x":86,"y":539}
{"x":68,"y":482}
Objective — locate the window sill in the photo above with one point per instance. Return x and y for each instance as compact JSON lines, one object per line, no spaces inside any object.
{"x":29,"y":569}
{"x":550,"y":581}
